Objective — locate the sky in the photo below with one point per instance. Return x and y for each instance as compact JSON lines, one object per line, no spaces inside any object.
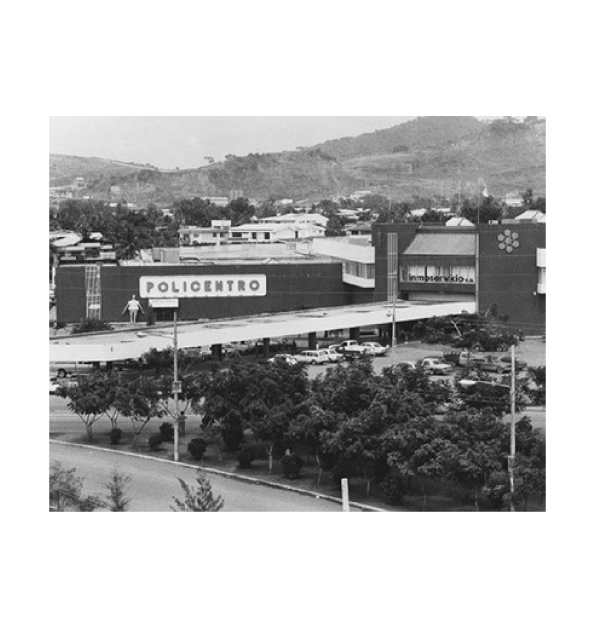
{"x":185,"y":141}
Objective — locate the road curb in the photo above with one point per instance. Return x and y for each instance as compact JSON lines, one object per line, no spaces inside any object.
{"x":229,"y":475}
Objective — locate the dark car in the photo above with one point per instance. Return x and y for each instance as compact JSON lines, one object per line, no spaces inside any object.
{"x":519,"y":363}
{"x":490,"y":363}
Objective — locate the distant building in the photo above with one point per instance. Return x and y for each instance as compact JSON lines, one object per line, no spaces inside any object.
{"x":220,"y":202}
{"x":273,"y":232}
{"x":514,"y":200}
{"x":297,"y":219}
{"x":531,"y":216}
{"x":217,"y":234}
{"x":361,"y":228}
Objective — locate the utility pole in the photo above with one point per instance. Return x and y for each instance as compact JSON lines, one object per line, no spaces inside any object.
{"x":176,"y":387}
{"x":345,"y":495}
{"x":393,"y":343}
{"x":512,"y":456}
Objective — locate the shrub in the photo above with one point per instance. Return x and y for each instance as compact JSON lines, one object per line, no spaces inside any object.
{"x":292,"y":464}
{"x":245,"y":457}
{"x":166,"y":431}
{"x":115,"y":435}
{"x":394,"y":489}
{"x":155,"y":442}
{"x":91,"y":325}
{"x":197,"y":448}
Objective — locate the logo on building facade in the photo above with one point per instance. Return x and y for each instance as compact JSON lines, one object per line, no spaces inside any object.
{"x":509,"y":241}
{"x":203,"y":286}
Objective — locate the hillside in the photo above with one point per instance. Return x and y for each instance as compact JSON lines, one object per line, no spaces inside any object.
{"x":422,"y":133}
{"x":65,"y":168}
{"x":427,"y":156}
{"x":296,"y":174}
{"x":503,"y":157}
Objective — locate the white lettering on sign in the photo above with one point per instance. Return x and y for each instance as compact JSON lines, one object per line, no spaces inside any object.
{"x":202,"y":286}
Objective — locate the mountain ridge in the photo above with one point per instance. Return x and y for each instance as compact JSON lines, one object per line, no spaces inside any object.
{"x":426,"y":156}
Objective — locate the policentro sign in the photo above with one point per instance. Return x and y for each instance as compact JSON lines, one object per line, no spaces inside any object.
{"x":203,"y":286}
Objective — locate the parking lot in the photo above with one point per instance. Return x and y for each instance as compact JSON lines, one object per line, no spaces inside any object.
{"x":531,"y":350}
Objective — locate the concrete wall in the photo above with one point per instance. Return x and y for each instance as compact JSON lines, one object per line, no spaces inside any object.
{"x":510,"y":280}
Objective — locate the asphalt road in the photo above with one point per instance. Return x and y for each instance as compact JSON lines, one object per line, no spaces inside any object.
{"x":154,"y":483}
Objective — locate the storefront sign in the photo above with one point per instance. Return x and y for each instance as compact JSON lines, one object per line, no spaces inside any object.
{"x":440,"y":279}
{"x":253,"y":285}
{"x":164,"y":303}
{"x":438,"y":274}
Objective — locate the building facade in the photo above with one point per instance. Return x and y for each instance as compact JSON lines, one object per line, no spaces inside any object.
{"x":501,"y":264}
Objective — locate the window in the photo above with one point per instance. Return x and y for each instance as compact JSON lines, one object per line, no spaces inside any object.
{"x":359,"y":270}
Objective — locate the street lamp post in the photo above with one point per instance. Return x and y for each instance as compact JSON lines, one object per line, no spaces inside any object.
{"x":511,"y":458}
{"x":176,"y":385}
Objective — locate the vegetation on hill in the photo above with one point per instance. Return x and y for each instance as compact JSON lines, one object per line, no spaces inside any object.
{"x":430,"y":155}
{"x":422,"y":133}
{"x":65,"y":168}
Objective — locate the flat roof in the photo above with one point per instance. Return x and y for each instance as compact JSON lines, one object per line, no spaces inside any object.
{"x":132,"y":342}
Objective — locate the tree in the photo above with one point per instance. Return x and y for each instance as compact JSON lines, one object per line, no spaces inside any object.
{"x":199,"y":498}
{"x":414,"y":449}
{"x":489,"y":210}
{"x":528,"y":198}
{"x":310,"y":430}
{"x":530,"y":475}
{"x":66,"y":490}
{"x":89,"y":400}
{"x":139,"y":401}
{"x":476,"y":449}
{"x":117,"y":487}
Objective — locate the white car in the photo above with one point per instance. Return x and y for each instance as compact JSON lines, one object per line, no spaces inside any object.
{"x":333,"y":355}
{"x":314,"y":357}
{"x":284,"y":358}
{"x":436,"y":366}
{"x":373,"y":347}
{"x":56,"y":383}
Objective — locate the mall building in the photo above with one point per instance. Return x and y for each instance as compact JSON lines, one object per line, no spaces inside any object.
{"x":500,"y":264}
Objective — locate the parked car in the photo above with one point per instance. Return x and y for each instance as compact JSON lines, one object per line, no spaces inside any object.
{"x":520,"y":365}
{"x":490,"y":363}
{"x":314,"y":357}
{"x":434,"y":366}
{"x":460,"y":358}
{"x":284,"y":358}
{"x":126,"y":364}
{"x":346,"y":345}
{"x":375,"y":348}
{"x":406,"y":365}
{"x":56,"y":384}
{"x":333,"y":355}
